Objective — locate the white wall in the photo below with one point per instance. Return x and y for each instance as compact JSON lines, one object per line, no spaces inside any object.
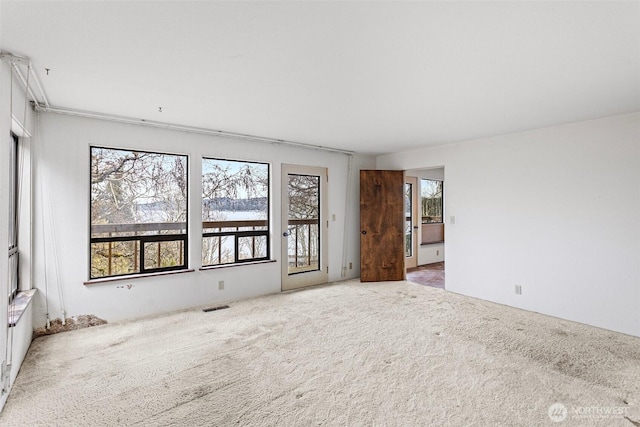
{"x":555,"y":210}
{"x":63,"y":173}
{"x":428,"y":254}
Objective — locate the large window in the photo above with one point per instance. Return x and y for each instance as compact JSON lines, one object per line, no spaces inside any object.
{"x":138,"y":212}
{"x":431,"y":201}
{"x":235,"y":212}
{"x":13,"y":218}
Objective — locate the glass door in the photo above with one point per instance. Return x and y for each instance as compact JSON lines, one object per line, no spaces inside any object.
{"x":411,"y":226}
{"x":304,"y":224}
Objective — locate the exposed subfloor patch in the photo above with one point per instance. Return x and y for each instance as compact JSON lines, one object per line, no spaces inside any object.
{"x":70,"y":324}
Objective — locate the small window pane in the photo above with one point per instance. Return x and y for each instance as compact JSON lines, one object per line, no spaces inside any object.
{"x":110,"y":257}
{"x":252,"y":247}
{"x":218,"y":250}
{"x":163,"y":254}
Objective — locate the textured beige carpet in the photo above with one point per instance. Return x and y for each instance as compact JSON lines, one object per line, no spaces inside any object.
{"x":348,"y":354}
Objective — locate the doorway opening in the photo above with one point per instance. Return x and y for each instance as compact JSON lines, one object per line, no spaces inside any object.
{"x":427,"y":201}
{"x":428,"y":275}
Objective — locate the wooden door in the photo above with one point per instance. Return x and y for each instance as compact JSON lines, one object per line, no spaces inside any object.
{"x":382,"y":237}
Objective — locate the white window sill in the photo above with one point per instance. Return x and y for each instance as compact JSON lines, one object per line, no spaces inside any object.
{"x":19,"y":305}
{"x":135,"y":276}
{"x":237,"y":264}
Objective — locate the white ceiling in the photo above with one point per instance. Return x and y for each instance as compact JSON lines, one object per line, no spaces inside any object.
{"x":371,"y":77}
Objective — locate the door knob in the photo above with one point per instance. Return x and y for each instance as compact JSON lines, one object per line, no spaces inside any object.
{"x":364,"y":232}
{"x":285,"y":234}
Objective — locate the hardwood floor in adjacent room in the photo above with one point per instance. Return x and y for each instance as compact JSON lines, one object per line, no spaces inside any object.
{"x":428,"y":275}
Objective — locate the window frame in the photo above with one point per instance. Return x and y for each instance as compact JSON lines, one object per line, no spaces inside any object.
{"x":144,"y":239}
{"x":238,"y":233}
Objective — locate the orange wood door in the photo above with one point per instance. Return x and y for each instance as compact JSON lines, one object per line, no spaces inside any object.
{"x":381,"y":226}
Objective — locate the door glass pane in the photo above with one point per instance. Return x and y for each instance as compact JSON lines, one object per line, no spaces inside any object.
{"x":303,"y":229}
{"x":408,"y":209}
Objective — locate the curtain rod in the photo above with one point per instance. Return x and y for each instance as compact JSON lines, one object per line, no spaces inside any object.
{"x":177,"y":127}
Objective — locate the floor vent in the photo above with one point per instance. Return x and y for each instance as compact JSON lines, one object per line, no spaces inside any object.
{"x":206,"y":310}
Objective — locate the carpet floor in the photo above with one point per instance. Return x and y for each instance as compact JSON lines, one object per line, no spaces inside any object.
{"x":345,"y":354}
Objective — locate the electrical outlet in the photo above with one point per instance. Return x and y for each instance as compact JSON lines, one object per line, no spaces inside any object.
{"x":518,"y":290}
{"x":437,"y":253}
{"x":350,"y":266}
{"x":221,"y":285}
